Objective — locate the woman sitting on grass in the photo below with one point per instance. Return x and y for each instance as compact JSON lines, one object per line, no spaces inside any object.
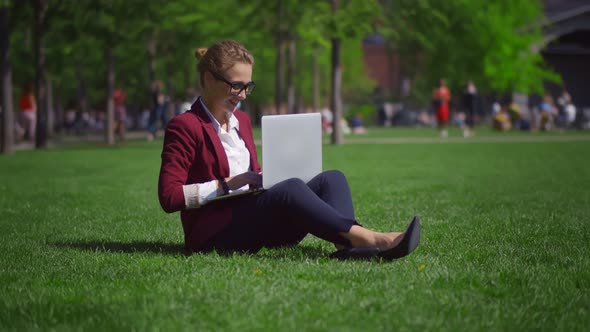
{"x":209,"y":151}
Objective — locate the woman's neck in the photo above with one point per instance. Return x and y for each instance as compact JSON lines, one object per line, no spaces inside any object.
{"x":219,"y":115}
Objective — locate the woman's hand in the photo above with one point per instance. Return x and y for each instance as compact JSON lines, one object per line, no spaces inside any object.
{"x":238,"y":181}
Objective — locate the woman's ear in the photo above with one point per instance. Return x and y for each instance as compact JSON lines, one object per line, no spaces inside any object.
{"x":207,"y":79}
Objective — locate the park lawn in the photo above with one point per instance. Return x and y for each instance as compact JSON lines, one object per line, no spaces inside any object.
{"x":505,"y":245}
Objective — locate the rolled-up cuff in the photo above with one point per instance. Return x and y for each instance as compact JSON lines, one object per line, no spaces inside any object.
{"x":191,"y":196}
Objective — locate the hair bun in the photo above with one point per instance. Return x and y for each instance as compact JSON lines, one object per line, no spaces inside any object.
{"x":200,"y":52}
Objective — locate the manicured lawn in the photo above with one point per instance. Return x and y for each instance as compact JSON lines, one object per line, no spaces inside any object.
{"x":505,"y":245}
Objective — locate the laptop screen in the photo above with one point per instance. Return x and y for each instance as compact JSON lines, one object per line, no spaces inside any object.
{"x":291,"y":147}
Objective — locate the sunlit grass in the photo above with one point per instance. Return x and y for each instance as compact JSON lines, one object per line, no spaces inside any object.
{"x":85,"y":245}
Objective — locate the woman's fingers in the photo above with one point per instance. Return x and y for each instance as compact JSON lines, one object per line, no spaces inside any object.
{"x":247,"y":178}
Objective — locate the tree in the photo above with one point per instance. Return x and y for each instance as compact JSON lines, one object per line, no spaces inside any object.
{"x":348,"y":19}
{"x":40,"y":10}
{"x":486,"y":41}
{"x":6,"y":76}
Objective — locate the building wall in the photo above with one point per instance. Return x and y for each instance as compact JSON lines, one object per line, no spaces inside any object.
{"x":381,"y":67}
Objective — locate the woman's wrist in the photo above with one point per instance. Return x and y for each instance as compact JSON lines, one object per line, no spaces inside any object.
{"x":223,"y":187}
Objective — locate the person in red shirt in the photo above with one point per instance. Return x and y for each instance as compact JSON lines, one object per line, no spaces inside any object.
{"x":28,"y":112}
{"x":441,"y":97}
{"x":209,"y":151}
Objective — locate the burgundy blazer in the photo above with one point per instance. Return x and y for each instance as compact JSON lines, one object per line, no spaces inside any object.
{"x":193,"y":153}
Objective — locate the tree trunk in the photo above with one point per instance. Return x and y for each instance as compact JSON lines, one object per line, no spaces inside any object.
{"x":40,"y":8}
{"x":188,"y":86}
{"x":110,"y":115}
{"x":6,"y":74}
{"x":50,"y":109}
{"x":170,"y":105}
{"x":59,"y":110}
{"x":280,"y":60}
{"x":151,"y":49}
{"x":336,"y":86}
{"x":316,"y":81}
{"x":290,"y":73}
{"x":81,"y":91}
{"x":300,"y":105}
{"x":279,"y":83}
{"x":169,"y":76}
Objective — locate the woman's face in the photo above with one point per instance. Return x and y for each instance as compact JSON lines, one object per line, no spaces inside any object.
{"x":219,"y":91}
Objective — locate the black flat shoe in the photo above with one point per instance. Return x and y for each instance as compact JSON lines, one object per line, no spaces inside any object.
{"x":409,"y":243}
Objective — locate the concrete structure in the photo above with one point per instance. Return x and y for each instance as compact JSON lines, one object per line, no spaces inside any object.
{"x":567,"y":49}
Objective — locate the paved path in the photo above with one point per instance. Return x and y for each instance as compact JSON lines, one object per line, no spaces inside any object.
{"x":92,"y":138}
{"x":139,"y":135}
{"x":490,"y":139}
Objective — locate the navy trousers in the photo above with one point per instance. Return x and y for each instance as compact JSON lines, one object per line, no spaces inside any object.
{"x":284,"y":214}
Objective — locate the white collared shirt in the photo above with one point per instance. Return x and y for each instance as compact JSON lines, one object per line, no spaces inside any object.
{"x":238,"y":157}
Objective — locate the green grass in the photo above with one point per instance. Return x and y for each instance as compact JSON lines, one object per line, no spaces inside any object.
{"x":505,"y":245}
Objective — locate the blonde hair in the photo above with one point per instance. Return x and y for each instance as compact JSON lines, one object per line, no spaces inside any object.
{"x":221,"y":56}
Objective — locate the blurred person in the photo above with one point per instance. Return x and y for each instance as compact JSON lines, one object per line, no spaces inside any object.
{"x":28,"y":112}
{"x":357,"y":124}
{"x":566,"y":108}
{"x":570,"y":114}
{"x":501,"y":119}
{"x":459,"y":119}
{"x":327,"y":118}
{"x":548,"y":112}
{"x":189,"y":101}
{"x":441,"y":96}
{"x":209,"y":151}
{"x":344,"y":126}
{"x":70,"y":117}
{"x":158,"y":112}
{"x":496,"y":108}
{"x":469,"y":104}
{"x":119,"y":98}
{"x":514,"y":113}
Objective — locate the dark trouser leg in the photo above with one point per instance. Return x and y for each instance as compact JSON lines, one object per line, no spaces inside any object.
{"x":284,"y":214}
{"x":332,"y":188}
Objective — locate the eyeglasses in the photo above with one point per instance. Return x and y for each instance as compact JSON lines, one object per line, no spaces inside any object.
{"x":235,"y":88}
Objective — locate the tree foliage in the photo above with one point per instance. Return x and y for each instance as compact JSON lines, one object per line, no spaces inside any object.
{"x":488,"y":41}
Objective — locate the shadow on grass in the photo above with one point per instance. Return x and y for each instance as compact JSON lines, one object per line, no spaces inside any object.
{"x":149,"y":247}
{"x":296,"y":253}
{"x":299,"y":252}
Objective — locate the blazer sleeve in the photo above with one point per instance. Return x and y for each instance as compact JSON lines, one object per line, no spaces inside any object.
{"x":178,"y":152}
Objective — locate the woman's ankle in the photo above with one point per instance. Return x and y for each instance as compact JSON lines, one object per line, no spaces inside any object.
{"x":362,"y":237}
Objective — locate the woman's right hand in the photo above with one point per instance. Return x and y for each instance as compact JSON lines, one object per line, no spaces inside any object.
{"x":248,"y":178}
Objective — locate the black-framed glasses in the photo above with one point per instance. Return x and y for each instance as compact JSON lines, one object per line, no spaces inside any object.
{"x":235,"y":88}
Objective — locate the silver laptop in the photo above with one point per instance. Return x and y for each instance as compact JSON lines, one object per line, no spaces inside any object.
{"x":291,"y":148}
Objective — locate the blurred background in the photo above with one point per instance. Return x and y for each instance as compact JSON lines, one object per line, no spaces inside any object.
{"x":105,"y":67}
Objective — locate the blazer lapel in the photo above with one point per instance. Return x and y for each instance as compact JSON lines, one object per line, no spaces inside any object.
{"x":213,"y":137}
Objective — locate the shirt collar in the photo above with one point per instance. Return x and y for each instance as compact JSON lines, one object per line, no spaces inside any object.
{"x":232,"y":120}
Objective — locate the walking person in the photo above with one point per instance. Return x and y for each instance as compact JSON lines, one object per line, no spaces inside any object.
{"x":28,"y":112}
{"x":441,"y":96}
{"x":158,"y":112}
{"x":209,"y":151}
